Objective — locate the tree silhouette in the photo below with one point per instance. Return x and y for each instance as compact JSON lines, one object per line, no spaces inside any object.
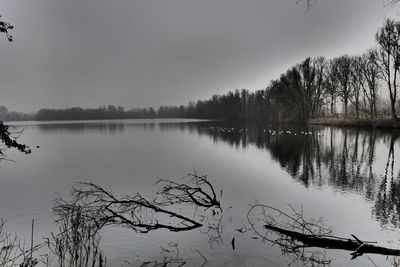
{"x":5,"y":27}
{"x":387,"y":58}
{"x":7,"y":137}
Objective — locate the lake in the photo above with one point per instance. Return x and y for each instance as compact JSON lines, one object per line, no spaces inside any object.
{"x":348,"y":177}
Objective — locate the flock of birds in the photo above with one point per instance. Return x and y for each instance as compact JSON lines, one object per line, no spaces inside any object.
{"x":232,"y":130}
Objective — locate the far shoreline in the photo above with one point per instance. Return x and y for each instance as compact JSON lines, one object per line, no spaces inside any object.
{"x":94,"y":121}
{"x":364,"y":123}
{"x":379,"y":123}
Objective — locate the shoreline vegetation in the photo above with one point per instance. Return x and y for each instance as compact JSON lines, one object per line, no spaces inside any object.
{"x":379,"y":123}
{"x":365,"y":123}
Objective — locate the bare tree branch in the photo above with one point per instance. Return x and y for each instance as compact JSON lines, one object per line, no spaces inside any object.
{"x":295,"y":235}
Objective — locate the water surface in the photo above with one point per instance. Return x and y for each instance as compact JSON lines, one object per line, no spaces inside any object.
{"x":350,"y":177}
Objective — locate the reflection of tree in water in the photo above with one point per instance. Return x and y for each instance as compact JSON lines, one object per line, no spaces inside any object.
{"x":113,"y":127}
{"x":339,"y":158}
{"x":349,"y":167}
{"x":344,"y":159}
{"x":79,"y":128}
{"x":387,"y":204}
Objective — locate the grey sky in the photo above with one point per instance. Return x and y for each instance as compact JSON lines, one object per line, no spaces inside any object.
{"x":139,"y":53}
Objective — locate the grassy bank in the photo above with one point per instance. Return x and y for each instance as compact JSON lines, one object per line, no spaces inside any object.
{"x":381,"y":123}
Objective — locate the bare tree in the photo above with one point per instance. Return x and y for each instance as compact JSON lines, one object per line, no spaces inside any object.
{"x":341,"y":71}
{"x":320,"y":65}
{"x":330,"y":86}
{"x":356,"y":82}
{"x":387,"y":58}
{"x":311,"y":90}
{"x":371,"y":74}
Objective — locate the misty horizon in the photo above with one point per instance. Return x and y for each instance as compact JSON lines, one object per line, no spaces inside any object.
{"x":148,"y":54}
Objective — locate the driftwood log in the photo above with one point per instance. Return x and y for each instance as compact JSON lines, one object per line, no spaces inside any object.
{"x":356,"y":245}
{"x":299,"y":238}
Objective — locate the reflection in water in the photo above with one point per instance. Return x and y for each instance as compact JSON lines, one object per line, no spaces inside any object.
{"x":387,"y":205}
{"x":112,"y":127}
{"x":79,"y":128}
{"x":345,"y":159}
{"x":342,"y":158}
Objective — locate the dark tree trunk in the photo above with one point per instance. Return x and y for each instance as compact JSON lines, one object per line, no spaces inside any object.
{"x":359,"y":247}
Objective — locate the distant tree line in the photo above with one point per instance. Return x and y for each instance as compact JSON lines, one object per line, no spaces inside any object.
{"x":6,"y":115}
{"x":346,"y":86}
{"x":103,"y":112}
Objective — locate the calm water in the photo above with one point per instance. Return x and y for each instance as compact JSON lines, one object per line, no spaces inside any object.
{"x":348,"y":177}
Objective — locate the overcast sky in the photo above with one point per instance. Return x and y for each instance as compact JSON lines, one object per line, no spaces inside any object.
{"x":139,"y":53}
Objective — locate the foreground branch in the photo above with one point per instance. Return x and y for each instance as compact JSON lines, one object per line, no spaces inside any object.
{"x":196,"y":190}
{"x":102,"y":207}
{"x":9,"y":138}
{"x":296,"y":236}
{"x":356,"y":245}
{"x":93,"y":207}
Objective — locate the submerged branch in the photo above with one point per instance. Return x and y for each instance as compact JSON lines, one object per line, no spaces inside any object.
{"x":296,"y":236}
{"x":197,"y":190}
{"x":136,"y":212}
{"x":93,"y":207}
{"x":356,"y":245}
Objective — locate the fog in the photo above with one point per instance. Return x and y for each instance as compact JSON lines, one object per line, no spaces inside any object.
{"x":149,"y":53}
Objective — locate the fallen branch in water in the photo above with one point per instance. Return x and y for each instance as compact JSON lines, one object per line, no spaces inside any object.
{"x":102,"y":207}
{"x":134,"y":211}
{"x":296,"y":236}
{"x":197,"y":190}
{"x":356,"y":245}
{"x":92,"y":207}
